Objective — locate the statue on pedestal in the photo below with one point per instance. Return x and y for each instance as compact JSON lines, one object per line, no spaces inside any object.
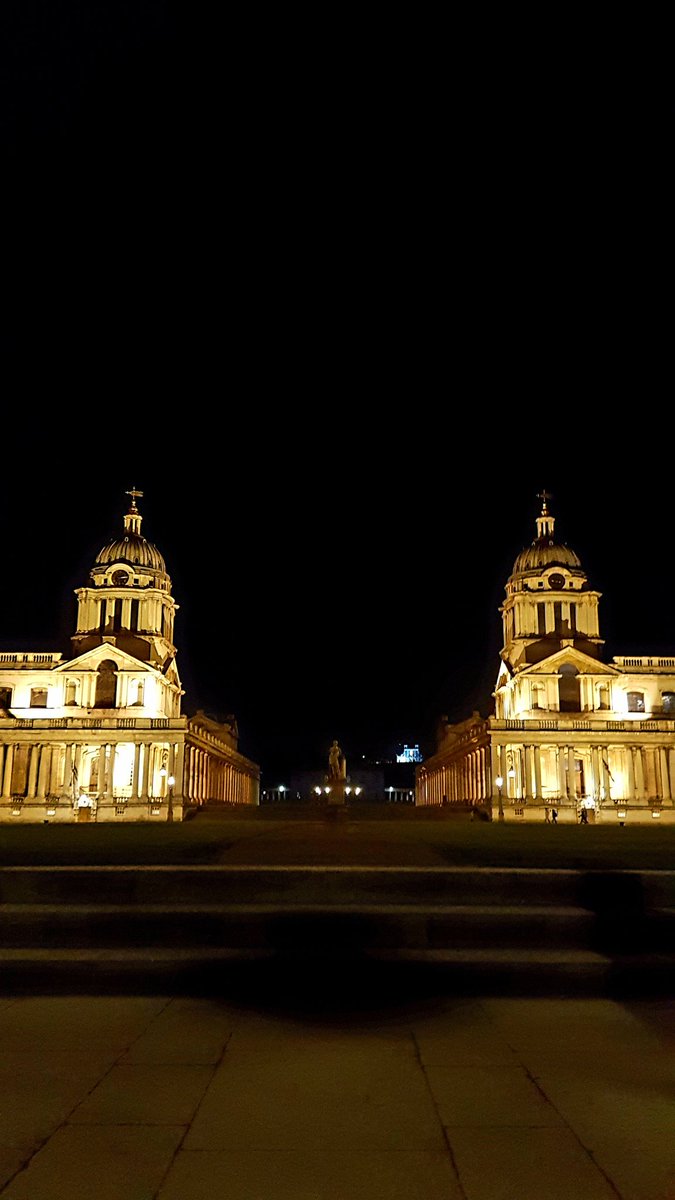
{"x":337,"y":763}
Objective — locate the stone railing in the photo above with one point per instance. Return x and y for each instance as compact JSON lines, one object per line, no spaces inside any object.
{"x":645,"y":663}
{"x":581,"y":724}
{"x":28,"y":660}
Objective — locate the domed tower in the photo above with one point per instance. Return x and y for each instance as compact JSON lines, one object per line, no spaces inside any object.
{"x":548,"y":602}
{"x":129,"y":601}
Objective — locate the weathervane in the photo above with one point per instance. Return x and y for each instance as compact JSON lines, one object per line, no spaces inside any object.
{"x":134,"y":493}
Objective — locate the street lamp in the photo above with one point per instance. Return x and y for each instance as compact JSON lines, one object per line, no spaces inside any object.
{"x":500,"y":783}
{"x":169,"y":810}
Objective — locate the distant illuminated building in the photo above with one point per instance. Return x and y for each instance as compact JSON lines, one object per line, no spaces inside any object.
{"x":569,"y":732}
{"x":410,"y":754}
{"x":100,"y":737}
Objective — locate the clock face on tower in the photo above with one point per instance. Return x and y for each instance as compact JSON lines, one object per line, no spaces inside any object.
{"x":120,"y":577}
{"x":557,"y":582}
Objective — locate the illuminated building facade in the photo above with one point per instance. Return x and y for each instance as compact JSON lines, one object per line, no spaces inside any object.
{"x":592,"y":740}
{"x":100,"y":736}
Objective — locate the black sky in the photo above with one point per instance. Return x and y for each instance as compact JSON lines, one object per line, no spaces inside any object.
{"x":341,"y":301}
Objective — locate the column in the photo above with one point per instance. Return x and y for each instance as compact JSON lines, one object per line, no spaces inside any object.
{"x":32,"y":771}
{"x":43,"y":775}
{"x":604,"y":770}
{"x":528,"y":773}
{"x":630,"y":758}
{"x":571,"y":790}
{"x":107,"y":772}
{"x":66,"y":785}
{"x":560,"y":769}
{"x":595,"y":768}
{"x":9,"y":763}
{"x":55,"y":782}
{"x":639,"y":774}
{"x":135,"y":776}
{"x":179,"y":767}
{"x":147,"y":746}
{"x":664,"y":789}
{"x":537,"y":774}
{"x":671,"y":771}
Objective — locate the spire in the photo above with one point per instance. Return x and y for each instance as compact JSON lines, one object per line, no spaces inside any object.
{"x":132,"y":519}
{"x":545,"y":522}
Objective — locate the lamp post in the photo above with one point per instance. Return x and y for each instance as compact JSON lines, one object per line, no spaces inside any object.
{"x":500,"y":783}
{"x":169,"y":808}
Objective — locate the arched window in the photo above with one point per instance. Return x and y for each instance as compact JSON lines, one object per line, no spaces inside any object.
{"x":636,"y":702}
{"x":106,"y":684}
{"x":537,"y":695}
{"x":603,"y":696}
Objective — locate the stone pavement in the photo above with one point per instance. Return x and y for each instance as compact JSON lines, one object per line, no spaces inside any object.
{"x":335,"y":1089}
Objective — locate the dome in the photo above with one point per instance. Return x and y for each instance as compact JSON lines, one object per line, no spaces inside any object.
{"x":544,"y":552}
{"x":131,"y":547}
{"x":134,"y":549}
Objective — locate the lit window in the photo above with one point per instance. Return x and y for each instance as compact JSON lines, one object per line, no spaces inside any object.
{"x":636,"y":702}
{"x":38,"y":697}
{"x":668,"y":702}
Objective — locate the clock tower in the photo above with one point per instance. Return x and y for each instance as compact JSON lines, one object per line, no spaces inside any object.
{"x":128,"y":602}
{"x":548,"y":601}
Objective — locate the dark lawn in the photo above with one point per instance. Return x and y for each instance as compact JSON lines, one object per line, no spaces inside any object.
{"x":456,"y":843}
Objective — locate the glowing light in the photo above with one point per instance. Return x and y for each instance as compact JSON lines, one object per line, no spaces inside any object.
{"x":282,"y":788}
{"x":655,"y":815}
{"x":326,"y":790}
{"x":171,"y":780}
{"x":162,"y":771}
{"x":511,"y":773}
{"x":357,"y":791}
{"x":499,"y":781}
{"x":317,"y":790}
{"x":347,"y":791}
{"x":621,"y":816}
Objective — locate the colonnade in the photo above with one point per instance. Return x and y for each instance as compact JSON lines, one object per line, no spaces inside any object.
{"x":212,"y":778}
{"x":538,"y":772}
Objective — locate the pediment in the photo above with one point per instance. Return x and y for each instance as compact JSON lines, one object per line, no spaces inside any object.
{"x":583,"y":663}
{"x":92,"y":659}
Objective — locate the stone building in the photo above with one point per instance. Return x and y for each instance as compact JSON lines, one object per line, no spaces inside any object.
{"x":100,"y":736}
{"x":590,"y":739}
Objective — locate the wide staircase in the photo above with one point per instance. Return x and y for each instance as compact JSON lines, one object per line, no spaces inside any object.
{"x":195,"y":928}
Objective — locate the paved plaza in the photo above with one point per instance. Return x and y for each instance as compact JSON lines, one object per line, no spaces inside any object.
{"x":323,"y":1090}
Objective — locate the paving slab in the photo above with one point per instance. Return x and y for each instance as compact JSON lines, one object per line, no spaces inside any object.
{"x":311,"y":1175}
{"x":108,"y":1163}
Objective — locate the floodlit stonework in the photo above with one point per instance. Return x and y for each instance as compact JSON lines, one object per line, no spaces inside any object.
{"x":100,"y":736}
{"x":591,"y":740}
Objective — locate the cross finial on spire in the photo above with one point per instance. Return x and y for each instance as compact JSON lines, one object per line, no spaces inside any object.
{"x":544,"y":496}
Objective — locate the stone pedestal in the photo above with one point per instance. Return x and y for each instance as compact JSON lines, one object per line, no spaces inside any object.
{"x":336,"y":800}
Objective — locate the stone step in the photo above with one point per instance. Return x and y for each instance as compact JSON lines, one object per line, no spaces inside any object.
{"x":291,"y":926}
{"x":392,"y":971}
{"x":595,"y":890}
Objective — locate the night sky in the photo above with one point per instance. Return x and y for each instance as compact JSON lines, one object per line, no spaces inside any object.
{"x":341,"y":302}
